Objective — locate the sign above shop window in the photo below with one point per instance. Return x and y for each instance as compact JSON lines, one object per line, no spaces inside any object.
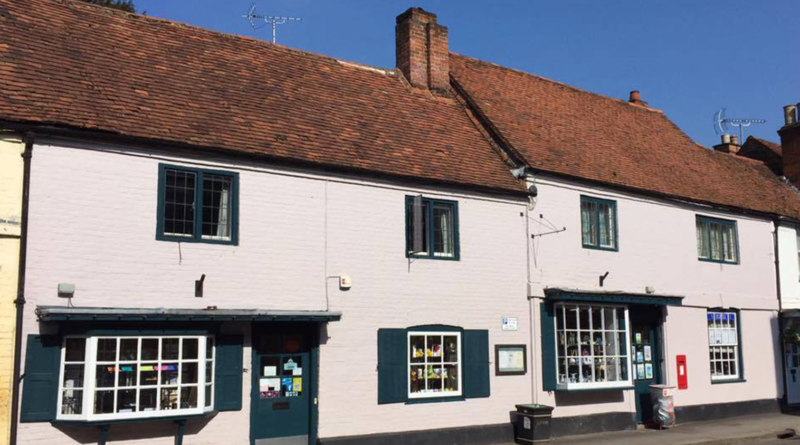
{"x":510,"y":324}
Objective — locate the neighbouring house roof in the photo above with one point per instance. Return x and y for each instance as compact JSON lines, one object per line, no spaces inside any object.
{"x":765,"y":151}
{"x":74,"y":65}
{"x":563,"y":130}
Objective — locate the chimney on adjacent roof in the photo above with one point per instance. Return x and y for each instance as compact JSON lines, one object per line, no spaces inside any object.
{"x":422,"y":49}
{"x":730,"y":144}
{"x":636,"y":98}
{"x":790,"y":144}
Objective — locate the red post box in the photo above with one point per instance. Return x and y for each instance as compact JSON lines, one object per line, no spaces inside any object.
{"x":683,"y":372}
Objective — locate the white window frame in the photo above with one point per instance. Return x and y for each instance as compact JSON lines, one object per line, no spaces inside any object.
{"x":724,"y":336}
{"x":458,"y":363}
{"x":90,"y":384}
{"x":566,"y":384}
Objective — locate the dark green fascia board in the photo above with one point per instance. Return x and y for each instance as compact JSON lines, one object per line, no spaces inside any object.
{"x":100,"y":423}
{"x":618,"y":298}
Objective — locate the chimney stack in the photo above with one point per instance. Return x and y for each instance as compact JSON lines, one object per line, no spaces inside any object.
{"x":636,"y":98}
{"x":730,"y":144}
{"x":790,"y":144}
{"x":422,"y":50}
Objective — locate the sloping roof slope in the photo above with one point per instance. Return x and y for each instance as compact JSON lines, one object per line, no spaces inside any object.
{"x":567,"y":131}
{"x":765,"y":151}
{"x":71,"y":64}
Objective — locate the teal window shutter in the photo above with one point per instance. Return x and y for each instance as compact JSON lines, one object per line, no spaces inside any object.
{"x":228,"y":391}
{"x":392,"y":366}
{"x":475,"y":354}
{"x":40,"y":382}
{"x":548,"y":329}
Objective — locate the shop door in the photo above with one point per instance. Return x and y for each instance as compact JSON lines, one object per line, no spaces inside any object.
{"x":646,"y":359}
{"x":792,"y":373}
{"x":280,"y":408}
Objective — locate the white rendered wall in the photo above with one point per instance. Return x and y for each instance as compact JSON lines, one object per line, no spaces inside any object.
{"x":657,"y":247}
{"x":790,"y":272}
{"x":93,"y":223}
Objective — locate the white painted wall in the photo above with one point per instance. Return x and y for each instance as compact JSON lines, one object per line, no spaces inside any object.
{"x":657,"y":247}
{"x":790,"y":270}
{"x":93,"y":223}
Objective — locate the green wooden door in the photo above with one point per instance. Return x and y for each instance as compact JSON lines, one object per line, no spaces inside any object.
{"x":646,"y":360}
{"x":281,"y":397}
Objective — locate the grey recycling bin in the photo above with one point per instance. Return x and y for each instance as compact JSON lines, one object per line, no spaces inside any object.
{"x":532,"y":424}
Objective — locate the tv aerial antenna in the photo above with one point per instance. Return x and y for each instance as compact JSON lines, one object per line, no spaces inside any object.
{"x":273,"y":20}
{"x":721,"y":123}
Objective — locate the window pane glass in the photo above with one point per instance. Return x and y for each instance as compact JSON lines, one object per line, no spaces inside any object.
{"x":126,"y":401}
{"x":450,"y":348}
{"x":169,"y":373}
{"x":217,"y":216}
{"x":75,"y":349}
{"x":190,"y":348}
{"x":169,"y":349}
{"x":148,"y":399}
{"x":606,"y":224}
{"x":104,"y":402}
{"x":149,"y":349}
{"x":72,"y":401}
{"x":188,"y":373}
{"x":107,"y":350}
{"x":589,"y":222}
{"x":169,"y":398}
{"x":127,"y":375}
{"x":443,"y":236}
{"x":73,"y":376}
{"x":417,"y":379}
{"x":129,"y":349}
{"x":104,"y":376}
{"x":702,"y":240}
{"x":417,"y":349}
{"x":148,"y":374}
{"x":209,"y":347}
{"x":189,"y":397}
{"x":434,"y":348}
{"x":208,"y":396}
{"x":179,"y":203}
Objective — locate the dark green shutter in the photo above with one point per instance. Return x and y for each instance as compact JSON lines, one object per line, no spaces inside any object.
{"x":548,"y":329}
{"x":40,"y":381}
{"x":392,"y":366}
{"x":475,"y":353}
{"x":228,"y":392}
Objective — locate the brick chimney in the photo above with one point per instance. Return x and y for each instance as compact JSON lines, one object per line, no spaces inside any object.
{"x":636,"y":98}
{"x":790,"y":144}
{"x":730,"y":144}
{"x":422,"y":50}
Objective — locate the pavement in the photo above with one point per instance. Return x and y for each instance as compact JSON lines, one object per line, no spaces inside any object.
{"x":761,"y":429}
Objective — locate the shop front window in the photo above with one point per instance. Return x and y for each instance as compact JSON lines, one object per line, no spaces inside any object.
{"x":592,"y":346}
{"x":131,"y":377}
{"x":434,"y":364}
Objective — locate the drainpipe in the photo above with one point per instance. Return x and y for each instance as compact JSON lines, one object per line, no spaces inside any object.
{"x":20,"y":301}
{"x":777,"y":223}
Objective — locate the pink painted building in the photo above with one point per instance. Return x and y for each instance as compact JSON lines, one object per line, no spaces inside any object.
{"x":230,"y":241}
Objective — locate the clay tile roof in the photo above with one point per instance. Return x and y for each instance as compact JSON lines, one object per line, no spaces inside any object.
{"x":79,"y":66}
{"x":563,"y":130}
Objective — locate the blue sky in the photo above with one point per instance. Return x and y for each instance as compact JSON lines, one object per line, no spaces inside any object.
{"x":687,"y":57}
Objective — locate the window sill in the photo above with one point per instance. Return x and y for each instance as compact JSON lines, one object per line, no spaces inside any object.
{"x":435,"y":400}
{"x":428,"y":257}
{"x":592,"y":390}
{"x":179,"y":239}
{"x":606,"y":249}
{"x":99,"y":423}
{"x":722,"y":382}
{"x":708,"y":260}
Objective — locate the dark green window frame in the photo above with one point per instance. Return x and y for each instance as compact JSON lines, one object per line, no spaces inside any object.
{"x":704,"y":225}
{"x":429,"y":205}
{"x":199,"y":176}
{"x":596,"y":216}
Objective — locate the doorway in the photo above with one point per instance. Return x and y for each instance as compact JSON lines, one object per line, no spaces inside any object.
{"x":646,"y":357}
{"x":282,"y":385}
{"x":792,"y":373}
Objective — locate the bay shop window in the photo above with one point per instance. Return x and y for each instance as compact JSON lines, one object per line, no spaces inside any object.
{"x":585,"y":346}
{"x":109,"y":378}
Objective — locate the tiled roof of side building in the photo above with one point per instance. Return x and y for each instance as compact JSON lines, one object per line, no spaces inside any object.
{"x":567,"y":131}
{"x":78,"y":66}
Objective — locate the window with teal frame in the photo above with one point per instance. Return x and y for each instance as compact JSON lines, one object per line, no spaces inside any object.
{"x":598,"y":223}
{"x":197,"y":205}
{"x":717,"y":240}
{"x":432,"y":228}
